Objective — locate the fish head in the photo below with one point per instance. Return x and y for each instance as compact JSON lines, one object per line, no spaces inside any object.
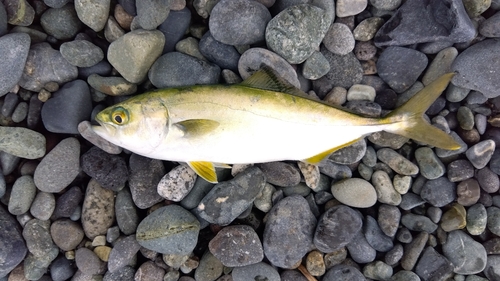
{"x":138,"y":125}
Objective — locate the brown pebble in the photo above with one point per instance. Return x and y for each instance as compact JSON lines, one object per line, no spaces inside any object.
{"x":122,"y":17}
{"x":315,"y":263}
{"x":66,"y":234}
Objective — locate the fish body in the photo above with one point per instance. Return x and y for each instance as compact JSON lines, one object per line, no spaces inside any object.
{"x":263,"y":119}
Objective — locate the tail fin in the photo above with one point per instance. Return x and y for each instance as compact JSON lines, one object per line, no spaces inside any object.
{"x":408,"y":120}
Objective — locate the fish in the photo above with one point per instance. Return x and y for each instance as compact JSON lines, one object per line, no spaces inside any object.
{"x":263,"y":119}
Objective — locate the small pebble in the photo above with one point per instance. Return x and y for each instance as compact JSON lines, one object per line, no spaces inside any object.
{"x":397,"y":162}
{"x":366,"y":29}
{"x":429,"y":164}
{"x":355,"y":193}
{"x":454,"y":218}
{"x":460,"y":170}
{"x":98,"y":210}
{"x":468,"y":192}
{"x":237,"y":246}
{"x":377,"y":271}
{"x":66,"y":234}
{"x":339,"y":39}
{"x":43,"y":206}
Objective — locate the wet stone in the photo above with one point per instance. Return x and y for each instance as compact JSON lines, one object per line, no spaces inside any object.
{"x":98,"y":210}
{"x":144,"y":175}
{"x":110,"y":171}
{"x":288,"y":232}
{"x":237,"y":246}
{"x":460,"y":170}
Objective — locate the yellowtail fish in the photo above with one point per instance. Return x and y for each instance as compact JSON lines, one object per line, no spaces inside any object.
{"x":263,"y":119}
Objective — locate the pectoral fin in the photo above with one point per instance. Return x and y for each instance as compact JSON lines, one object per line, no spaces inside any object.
{"x":323,"y":155}
{"x":197,"y":127}
{"x":204,"y":169}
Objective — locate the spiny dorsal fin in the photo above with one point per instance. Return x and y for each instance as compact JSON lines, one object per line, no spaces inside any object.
{"x":267,"y":79}
{"x":197,"y":127}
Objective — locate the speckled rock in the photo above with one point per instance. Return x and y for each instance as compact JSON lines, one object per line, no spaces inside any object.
{"x":236,"y":246}
{"x":110,"y":171}
{"x":397,"y":162}
{"x":476,"y":219}
{"x":280,"y":173}
{"x":22,"y":142}
{"x":59,"y":167}
{"x":210,"y":268}
{"x":429,"y":164}
{"x":43,"y":205}
{"x":98,"y":210}
{"x":177,"y":183}
{"x":169,"y":230}
{"x":123,"y":253}
{"x":144,"y":175}
{"x":339,"y":39}
{"x":21,"y":195}
{"x":385,"y":189}
{"x":126,"y":213}
{"x":345,"y":8}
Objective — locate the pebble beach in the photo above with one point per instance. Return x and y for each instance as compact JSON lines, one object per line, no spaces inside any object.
{"x":74,"y":206}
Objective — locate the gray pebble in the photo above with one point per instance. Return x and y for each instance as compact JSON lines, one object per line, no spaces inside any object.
{"x":177,"y":183}
{"x":150,"y":271}
{"x":360,"y":250}
{"x":67,"y":202}
{"x":476,"y":219}
{"x":237,"y":246}
{"x":418,"y":223}
{"x":125,"y":273}
{"x":59,"y":167}
{"x":397,"y":162}
{"x":493,"y":219}
{"x":465,"y":118}
{"x":334,"y":170}
{"x":345,"y":8}
{"x":143,"y":48}
{"x":38,"y":240}
{"x":377,"y":270}
{"x":375,"y":237}
{"x":343,"y":273}
{"x":288,"y":232}
{"x":413,"y":250}
{"x":467,"y":255}
{"x":210,"y":268}
{"x":123,"y":253}
{"x":150,"y":14}
{"x":480,"y":154}
{"x":366,"y":29}
{"x":365,"y":50}
{"x":263,"y":200}
{"x":296,"y":32}
{"x":81,"y":53}
{"x":14,"y":249}
{"x":402,"y":183}
{"x":350,"y":154}
{"x":62,"y":23}
{"x":481,"y":122}
{"x":315,"y":66}
{"x":88,"y":262}
{"x":292,"y":275}
{"x":393,"y":256}
{"x":439,"y":192}
{"x":61,"y":269}
{"x":492,"y":267}
{"x":110,"y":171}
{"x":280,"y":173}
{"x":254,"y":271}
{"x":66,"y":234}
{"x":385,"y":190}
{"x":36,"y":266}
{"x":93,"y":14}
{"x":405,"y":275}
{"x":174,"y":27}
{"x":355,"y":192}
{"x":488,"y":180}
{"x":177,"y":69}
{"x":22,"y":195}
{"x":14,"y":49}
{"x":229,"y":199}
{"x":410,"y":201}
{"x":385,"y":139}
{"x":144,"y":175}
{"x":20,"y":112}
{"x":239,"y":22}
{"x":43,"y":205}
{"x":460,"y":170}
{"x":200,"y":189}
{"x":225,"y":56}
{"x":169,"y":230}
{"x":339,"y":39}
{"x":336,"y":228}
{"x":489,"y":27}
{"x":98,"y":210}
{"x":429,"y":164}
{"x":434,"y":266}
{"x":404,"y":235}
{"x":126,"y":213}
{"x":388,"y":219}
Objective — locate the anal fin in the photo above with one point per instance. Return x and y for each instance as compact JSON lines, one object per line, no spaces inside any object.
{"x":323,"y":155}
{"x":204,"y":169}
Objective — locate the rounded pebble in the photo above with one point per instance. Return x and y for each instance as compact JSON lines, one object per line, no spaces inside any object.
{"x":98,"y":212}
{"x":438,"y":192}
{"x":355,"y":193}
{"x":258,"y":270}
{"x":237,"y":246}
{"x":66,"y":234}
{"x":110,"y":171}
{"x":81,"y":53}
{"x":467,"y":255}
{"x":22,"y":195}
{"x":43,"y":206}
{"x":339,"y":39}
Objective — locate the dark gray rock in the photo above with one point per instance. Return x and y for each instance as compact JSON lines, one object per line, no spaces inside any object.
{"x":102,"y":68}
{"x":418,"y":223}
{"x":144,"y":176}
{"x":255,"y":272}
{"x":67,"y":203}
{"x":56,"y":3}
{"x":3,"y":20}
{"x":343,"y":273}
{"x":210,"y":268}
{"x":61,"y":269}
{"x":169,"y":230}
{"x":46,"y":65}
{"x":359,"y":249}
{"x":229,"y":199}
{"x":488,"y":180}
{"x":125,"y":273}
{"x":439,"y":192}
{"x":68,"y":107}
{"x":81,"y":53}
{"x":62,"y":23}
{"x":126,"y":213}
{"x":223,"y":55}
{"x":150,"y":14}
{"x":476,"y":68}
{"x":14,"y":52}
{"x":492,"y":271}
{"x":426,"y":21}
{"x":123,"y":253}
{"x":110,"y":171}
{"x":460,"y":170}
{"x":349,"y":154}
{"x":292,"y":275}
{"x":280,"y":173}
{"x":375,"y":237}
{"x":410,"y":201}
{"x":237,"y":246}
{"x":12,"y":243}
{"x":400,"y":67}
{"x":239,"y":22}
{"x":388,"y":219}
{"x":174,"y":27}
{"x":433,"y":266}
{"x":490,"y":27}
{"x":177,"y":69}
{"x":467,"y":255}
{"x":288,"y":233}
{"x":336,"y":228}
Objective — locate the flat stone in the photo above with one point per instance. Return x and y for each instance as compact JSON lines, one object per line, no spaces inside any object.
{"x":169,"y":230}
{"x":14,"y":50}
{"x":355,"y":193}
{"x":22,"y":142}
{"x":98,"y":210}
{"x":434,"y":266}
{"x":350,"y":154}
{"x":418,"y":223}
{"x":280,"y":173}
{"x":237,"y":246}
{"x":360,"y":250}
{"x":397,"y":162}
{"x":59,"y":167}
{"x":438,"y":192}
{"x":467,"y":255}
{"x":93,"y":14}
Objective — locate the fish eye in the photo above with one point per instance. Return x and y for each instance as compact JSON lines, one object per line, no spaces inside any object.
{"x":119,"y":116}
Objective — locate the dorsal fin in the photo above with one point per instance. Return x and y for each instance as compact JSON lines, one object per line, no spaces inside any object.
{"x":267,"y":79}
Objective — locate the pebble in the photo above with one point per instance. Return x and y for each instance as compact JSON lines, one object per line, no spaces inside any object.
{"x":413,"y":250}
{"x":223,"y":55}
{"x":358,"y":92}
{"x":493,"y":223}
{"x":81,"y":53}
{"x":460,"y":170}
{"x":375,"y":237}
{"x":474,"y":8}
{"x":21,"y":142}
{"x":123,"y":253}
{"x":336,"y":228}
{"x":343,"y":272}
{"x":377,"y":271}
{"x":255,"y":271}
{"x":174,"y":28}
{"x":288,"y":232}
{"x":14,"y":249}
{"x":402,"y":183}
{"x":61,"y":23}
{"x":61,"y":269}
{"x":312,"y":176}
{"x":296,"y":32}
{"x":98,"y":212}
{"x":69,"y":106}
{"x":400,"y":67}
{"x":177,"y":69}
{"x":209,"y":269}
{"x":48,"y":65}
{"x":480,"y":154}
{"x":429,"y":164}
{"x":239,"y":22}
{"x":440,"y":65}
{"x":454,"y":218}
{"x":355,"y":192}
{"x":397,"y":162}
{"x":418,"y":223}
{"x":489,"y":27}
{"x":144,"y":175}
{"x":150,"y":271}
{"x":125,"y":273}
{"x":488,"y":180}
{"x":434,"y":266}
{"x":315,"y":264}
{"x":315,"y":66}
{"x":36,"y":233}
{"x":150,"y":14}
{"x":43,"y":205}
{"x":237,"y":246}
{"x":14,"y":49}
{"x":468,"y":192}
{"x":66,"y":234}
{"x":476,"y":219}
{"x":492,"y":246}
{"x":59,"y":167}
{"x":477,"y":60}
{"x":143,"y":48}
{"x":19,"y":12}
{"x":127,"y":217}
{"x":393,"y":256}
{"x":3,"y":20}
{"x":366,"y":29}
{"x":492,"y":266}
{"x":346,"y":8}
{"x":405,"y":275}
{"x":384,"y":188}
{"x":88,"y":262}
{"x":465,"y":118}
{"x":385,"y":139}
{"x":410,"y":201}
{"x":263,"y":201}
{"x":113,"y":86}
{"x":68,"y":202}
{"x":388,"y":219}
{"x":93,"y":14}
{"x":169,"y":230}
{"x":359,"y":249}
{"x":110,"y":171}
{"x":229,"y":199}
{"x":177,"y":183}
{"x":280,"y":173}
{"x":405,"y":26}
{"x":339,"y":39}
{"x":468,"y":256}
{"x":438,"y":192}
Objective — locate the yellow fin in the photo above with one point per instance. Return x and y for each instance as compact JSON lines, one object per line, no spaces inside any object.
{"x":197,"y":127}
{"x":204,"y":169}
{"x":267,"y":79}
{"x":408,"y":120}
{"x":323,"y":155}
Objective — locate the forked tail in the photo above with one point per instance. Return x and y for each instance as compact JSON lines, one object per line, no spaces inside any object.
{"x":408,"y":120}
